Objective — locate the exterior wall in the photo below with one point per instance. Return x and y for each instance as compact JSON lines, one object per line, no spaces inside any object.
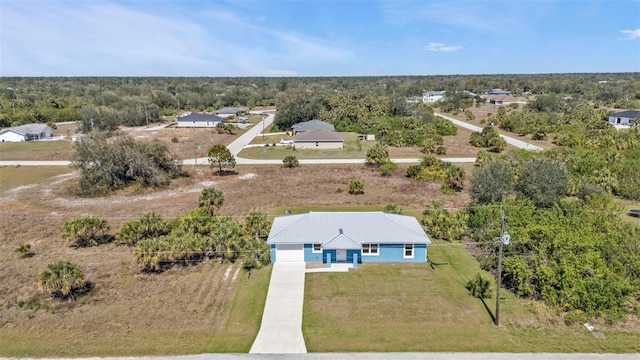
{"x":11,"y":136}
{"x":198,"y":124}
{"x":619,"y":120}
{"x":388,"y":253}
{"x":310,"y":256}
{"x":395,"y":253}
{"x":320,"y":145}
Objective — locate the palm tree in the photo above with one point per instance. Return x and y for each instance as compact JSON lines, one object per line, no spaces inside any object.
{"x":480,"y":287}
{"x":257,"y":224}
{"x":211,"y":199}
{"x":63,"y":279}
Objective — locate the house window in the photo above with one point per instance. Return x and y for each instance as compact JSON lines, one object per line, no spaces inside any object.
{"x":317,"y":248}
{"x":369,"y":249}
{"x":408,"y":250}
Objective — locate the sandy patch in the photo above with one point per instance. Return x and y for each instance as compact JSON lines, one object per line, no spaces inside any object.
{"x":248,"y":176}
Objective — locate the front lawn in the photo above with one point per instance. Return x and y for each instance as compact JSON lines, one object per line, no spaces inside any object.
{"x":411,"y":307}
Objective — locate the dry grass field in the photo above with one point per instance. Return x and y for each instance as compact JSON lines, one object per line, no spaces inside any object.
{"x":199,"y":308}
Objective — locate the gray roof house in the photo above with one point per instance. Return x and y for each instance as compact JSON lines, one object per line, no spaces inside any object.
{"x":624,"y":117}
{"x":229,"y":111}
{"x":313,"y":125}
{"x":194,"y":119}
{"x":347,"y":237}
{"x":26,"y":132}
{"x":318,"y":139}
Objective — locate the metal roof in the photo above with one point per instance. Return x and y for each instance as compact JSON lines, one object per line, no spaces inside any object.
{"x":313,"y":125}
{"x":346,"y":229}
{"x":318,"y":135}
{"x":30,"y":129}
{"x":631,"y":114}
{"x":230,"y":110}
{"x":199,"y":117}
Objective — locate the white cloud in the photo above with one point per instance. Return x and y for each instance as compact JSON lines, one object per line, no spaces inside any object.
{"x":631,"y":34}
{"x":433,"y":46}
{"x":75,"y":38}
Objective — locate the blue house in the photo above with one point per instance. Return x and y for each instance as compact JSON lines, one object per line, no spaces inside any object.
{"x":343,"y":236}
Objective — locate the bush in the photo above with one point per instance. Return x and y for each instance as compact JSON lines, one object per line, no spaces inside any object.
{"x":24,"y":251}
{"x":290,"y":161}
{"x":146,"y":226}
{"x":63,"y":279}
{"x":86,"y":231}
{"x":377,"y":154}
{"x":108,"y":166}
{"x":387,"y":167}
{"x":356,"y":187}
{"x":575,"y":317}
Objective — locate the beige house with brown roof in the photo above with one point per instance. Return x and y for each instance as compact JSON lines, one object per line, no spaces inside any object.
{"x":318,"y":139}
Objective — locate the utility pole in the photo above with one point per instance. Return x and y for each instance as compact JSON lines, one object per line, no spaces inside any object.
{"x":504,"y":240}
{"x":195,"y":145}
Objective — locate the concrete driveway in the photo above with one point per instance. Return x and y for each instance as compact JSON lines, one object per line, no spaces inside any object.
{"x":281,"y":328}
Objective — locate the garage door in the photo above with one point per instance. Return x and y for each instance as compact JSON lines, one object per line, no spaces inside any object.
{"x":289,"y":253}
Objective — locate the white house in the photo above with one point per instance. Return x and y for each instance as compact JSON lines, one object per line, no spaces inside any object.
{"x":200,"y":120}
{"x":432,"y":96}
{"x":624,"y":117}
{"x":26,"y":132}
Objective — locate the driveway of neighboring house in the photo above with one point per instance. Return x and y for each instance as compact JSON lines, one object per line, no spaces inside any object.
{"x":281,"y":329}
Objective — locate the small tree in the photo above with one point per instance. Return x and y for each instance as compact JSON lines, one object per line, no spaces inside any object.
{"x":24,"y":251}
{"x":290,"y":161}
{"x":377,"y":154}
{"x":483,"y":157}
{"x":86,"y":231}
{"x":492,"y":182}
{"x":356,"y":187}
{"x":221,"y":158}
{"x":63,"y":279}
{"x":544,"y":181}
{"x":211,"y":199}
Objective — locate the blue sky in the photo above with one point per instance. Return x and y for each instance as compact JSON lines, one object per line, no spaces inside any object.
{"x":316,"y":38}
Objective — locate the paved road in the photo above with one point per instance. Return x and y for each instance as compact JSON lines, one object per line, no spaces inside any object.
{"x":281,"y":328}
{"x":512,"y":141}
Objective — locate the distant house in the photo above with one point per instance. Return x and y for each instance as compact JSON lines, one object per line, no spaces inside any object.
{"x":199,"y":120}
{"x":318,"y":139}
{"x":26,"y":132}
{"x":502,"y":99}
{"x":343,"y":236}
{"x":78,"y":137}
{"x":230,"y":111}
{"x":497,"y":92}
{"x":432,"y":96}
{"x":624,"y":117}
{"x":414,"y":99}
{"x":312,"y":125}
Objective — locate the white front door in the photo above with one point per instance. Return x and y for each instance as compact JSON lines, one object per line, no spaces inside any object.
{"x":341,"y":255}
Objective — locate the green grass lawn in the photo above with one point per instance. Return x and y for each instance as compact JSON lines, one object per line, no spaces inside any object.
{"x":353,"y":149}
{"x":36,"y":150}
{"x":411,"y":307}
